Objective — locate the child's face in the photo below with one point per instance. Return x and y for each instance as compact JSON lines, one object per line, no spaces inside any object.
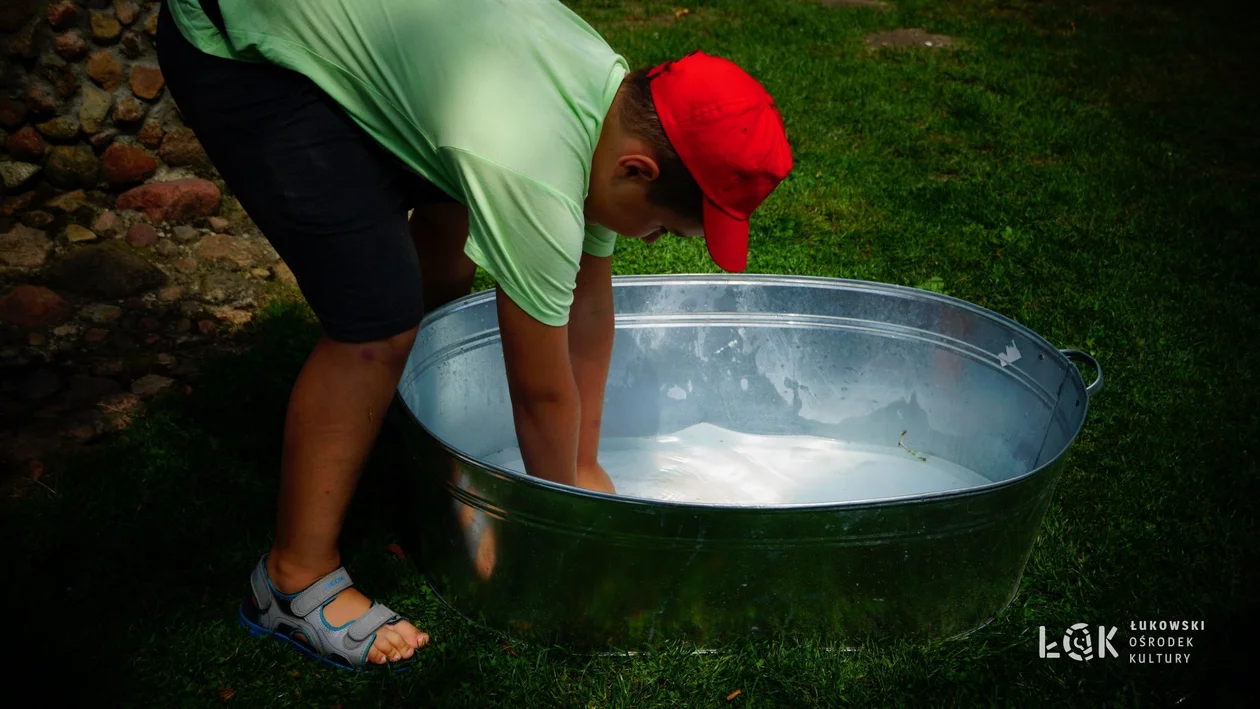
{"x":617,"y":200}
{"x":637,"y":218}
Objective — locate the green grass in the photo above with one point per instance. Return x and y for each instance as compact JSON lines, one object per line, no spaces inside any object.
{"x":1087,"y":169}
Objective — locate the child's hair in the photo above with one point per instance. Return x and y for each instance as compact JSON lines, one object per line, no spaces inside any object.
{"x":675,"y":188}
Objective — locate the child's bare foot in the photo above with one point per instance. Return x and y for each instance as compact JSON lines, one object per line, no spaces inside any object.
{"x":393,"y":643}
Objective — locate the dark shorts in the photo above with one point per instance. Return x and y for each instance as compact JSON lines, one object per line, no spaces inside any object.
{"x":332,"y":202}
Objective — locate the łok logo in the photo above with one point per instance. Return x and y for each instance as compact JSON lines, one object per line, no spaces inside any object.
{"x":1078,"y":643}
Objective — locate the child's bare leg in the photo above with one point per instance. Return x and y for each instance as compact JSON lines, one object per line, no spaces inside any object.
{"x":334,"y":416}
{"x":440,"y":232}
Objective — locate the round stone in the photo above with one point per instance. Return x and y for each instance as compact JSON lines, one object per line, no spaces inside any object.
{"x":106,"y":224}
{"x":37,"y":219}
{"x":150,"y":384}
{"x":71,"y":46}
{"x":101,"y":312}
{"x":125,"y":11}
{"x":105,"y":70}
{"x":94,"y":108}
{"x":141,"y":235}
{"x":105,"y":27}
{"x":167,"y":248}
{"x":76,"y":233}
{"x":150,"y":134}
{"x":15,"y":174}
{"x":63,"y":128}
{"x":146,"y":81}
{"x":62,"y":14}
{"x":71,"y":166}
{"x":129,"y":110}
{"x":96,"y":334}
{"x":33,"y":306}
{"x":127,"y":164}
{"x":26,"y":145}
{"x":23,"y":247}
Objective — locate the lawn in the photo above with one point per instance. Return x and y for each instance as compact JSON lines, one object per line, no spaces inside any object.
{"x":1088,"y":169}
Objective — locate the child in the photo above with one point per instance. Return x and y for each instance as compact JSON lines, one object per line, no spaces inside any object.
{"x":521,"y":143}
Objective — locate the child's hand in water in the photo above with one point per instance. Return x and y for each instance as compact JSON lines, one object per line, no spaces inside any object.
{"x":592,"y":476}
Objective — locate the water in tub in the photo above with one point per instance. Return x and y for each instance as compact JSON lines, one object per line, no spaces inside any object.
{"x":710,"y":464}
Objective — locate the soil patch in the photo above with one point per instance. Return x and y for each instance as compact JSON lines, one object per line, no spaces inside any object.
{"x":908,"y":38}
{"x":873,"y":4}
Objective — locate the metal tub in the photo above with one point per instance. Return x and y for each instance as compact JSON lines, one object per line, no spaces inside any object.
{"x":876,"y":367}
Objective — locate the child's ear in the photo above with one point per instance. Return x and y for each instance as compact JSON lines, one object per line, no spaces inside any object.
{"x":639,"y":167}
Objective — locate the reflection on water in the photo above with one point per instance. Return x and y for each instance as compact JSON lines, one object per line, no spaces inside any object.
{"x":709,"y":464}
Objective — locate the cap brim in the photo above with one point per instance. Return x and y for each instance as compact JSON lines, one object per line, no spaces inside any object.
{"x":726,"y":237}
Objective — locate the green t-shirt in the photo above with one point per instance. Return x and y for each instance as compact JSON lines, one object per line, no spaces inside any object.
{"x":497,"y":102}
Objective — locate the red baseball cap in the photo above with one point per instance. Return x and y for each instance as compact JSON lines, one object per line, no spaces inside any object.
{"x":729,"y":135}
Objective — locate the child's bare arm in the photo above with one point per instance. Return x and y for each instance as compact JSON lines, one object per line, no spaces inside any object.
{"x":590,"y":349}
{"x":590,"y":346}
{"x":545,"y":399}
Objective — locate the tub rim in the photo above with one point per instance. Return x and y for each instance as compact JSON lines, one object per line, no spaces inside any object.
{"x":1065,"y":357}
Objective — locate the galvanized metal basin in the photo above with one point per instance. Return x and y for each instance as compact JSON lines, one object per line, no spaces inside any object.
{"x":869,"y":367}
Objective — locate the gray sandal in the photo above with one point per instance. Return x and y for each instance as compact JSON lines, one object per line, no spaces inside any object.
{"x":292,"y":617}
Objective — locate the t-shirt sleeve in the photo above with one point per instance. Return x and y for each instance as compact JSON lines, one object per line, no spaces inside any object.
{"x":527,"y":236}
{"x":599,"y":241}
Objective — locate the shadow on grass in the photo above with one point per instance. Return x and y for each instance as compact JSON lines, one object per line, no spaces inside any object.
{"x":146,"y":537}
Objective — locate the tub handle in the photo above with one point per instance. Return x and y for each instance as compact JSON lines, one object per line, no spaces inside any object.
{"x":1079,"y":356}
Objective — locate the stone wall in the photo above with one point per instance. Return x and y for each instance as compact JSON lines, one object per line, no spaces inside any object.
{"x":121,"y":257}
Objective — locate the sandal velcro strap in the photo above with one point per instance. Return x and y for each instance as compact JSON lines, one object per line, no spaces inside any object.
{"x":299,"y":620}
{"x":370,"y":622}
{"x":261,"y":586}
{"x":320,"y":592}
